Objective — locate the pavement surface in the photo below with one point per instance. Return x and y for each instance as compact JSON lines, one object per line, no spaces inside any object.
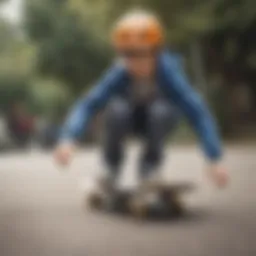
{"x":41,"y":210}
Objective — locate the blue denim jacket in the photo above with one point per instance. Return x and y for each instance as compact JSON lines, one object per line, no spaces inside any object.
{"x":173,"y":84}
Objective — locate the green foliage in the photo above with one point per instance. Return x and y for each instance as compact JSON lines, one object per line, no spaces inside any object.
{"x":67,"y":49}
{"x":11,"y":91}
{"x":49,"y":97}
{"x":72,"y":35}
{"x":15,"y":66}
{"x":63,"y":45}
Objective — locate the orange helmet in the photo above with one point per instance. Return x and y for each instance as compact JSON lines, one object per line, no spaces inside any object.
{"x":137,"y":30}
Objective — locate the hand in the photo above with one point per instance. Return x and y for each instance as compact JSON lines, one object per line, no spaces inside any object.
{"x":218,"y":174}
{"x":64,"y":152}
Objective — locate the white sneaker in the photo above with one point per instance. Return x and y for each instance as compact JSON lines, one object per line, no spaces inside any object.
{"x":151,"y":180}
{"x":98,"y":184}
{"x":90,"y":186}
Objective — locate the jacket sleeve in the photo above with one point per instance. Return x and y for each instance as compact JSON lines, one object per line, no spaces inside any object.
{"x":190,"y":102}
{"x":86,"y":107}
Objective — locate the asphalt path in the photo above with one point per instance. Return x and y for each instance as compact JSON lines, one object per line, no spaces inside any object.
{"x":41,"y":210}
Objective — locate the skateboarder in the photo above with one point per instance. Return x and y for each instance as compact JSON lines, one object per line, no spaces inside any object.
{"x":145,"y":91}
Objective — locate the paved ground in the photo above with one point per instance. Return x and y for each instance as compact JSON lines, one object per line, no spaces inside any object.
{"x":41,"y":213}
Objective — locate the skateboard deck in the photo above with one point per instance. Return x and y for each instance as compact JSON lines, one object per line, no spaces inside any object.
{"x":145,"y":201}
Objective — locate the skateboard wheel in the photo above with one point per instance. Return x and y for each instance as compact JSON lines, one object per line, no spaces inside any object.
{"x":95,"y":202}
{"x":138,"y":209}
{"x":176,"y":205}
{"x":173,"y":202}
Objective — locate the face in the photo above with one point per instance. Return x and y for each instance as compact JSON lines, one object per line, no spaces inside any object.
{"x":140,"y":62}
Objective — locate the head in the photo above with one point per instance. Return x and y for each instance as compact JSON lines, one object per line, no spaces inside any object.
{"x":137,"y":39}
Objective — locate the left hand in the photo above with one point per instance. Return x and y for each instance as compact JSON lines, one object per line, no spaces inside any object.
{"x":218,"y":174}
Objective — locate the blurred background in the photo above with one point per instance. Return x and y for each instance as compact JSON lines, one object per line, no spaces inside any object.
{"x":51,"y":51}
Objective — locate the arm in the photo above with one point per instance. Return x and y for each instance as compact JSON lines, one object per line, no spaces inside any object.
{"x":189,"y":101}
{"x":85,"y":108}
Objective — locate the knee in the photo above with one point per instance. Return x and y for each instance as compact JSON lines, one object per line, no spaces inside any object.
{"x":118,"y":111}
{"x":163,"y":112}
{"x":159,"y":111}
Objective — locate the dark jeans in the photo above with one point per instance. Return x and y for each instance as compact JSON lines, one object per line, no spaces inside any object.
{"x":151,"y":122}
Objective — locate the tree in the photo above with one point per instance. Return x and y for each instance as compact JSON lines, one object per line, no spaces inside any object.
{"x":72,"y":37}
{"x":67,"y":49}
{"x":15,"y":65}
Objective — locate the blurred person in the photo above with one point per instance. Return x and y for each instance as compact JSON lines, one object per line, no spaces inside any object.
{"x":145,"y":92}
{"x":20,"y":125}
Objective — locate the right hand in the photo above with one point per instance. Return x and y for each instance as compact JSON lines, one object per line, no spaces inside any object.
{"x":218,"y":174}
{"x":64,"y":152}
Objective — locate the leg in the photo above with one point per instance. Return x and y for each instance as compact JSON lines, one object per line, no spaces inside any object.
{"x":118,"y":120}
{"x":117,"y":127}
{"x":162,"y":118}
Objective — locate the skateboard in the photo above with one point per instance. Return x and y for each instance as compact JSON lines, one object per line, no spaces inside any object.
{"x":155,"y":200}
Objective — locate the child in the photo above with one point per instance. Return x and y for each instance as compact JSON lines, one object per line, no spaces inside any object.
{"x":145,"y":91}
